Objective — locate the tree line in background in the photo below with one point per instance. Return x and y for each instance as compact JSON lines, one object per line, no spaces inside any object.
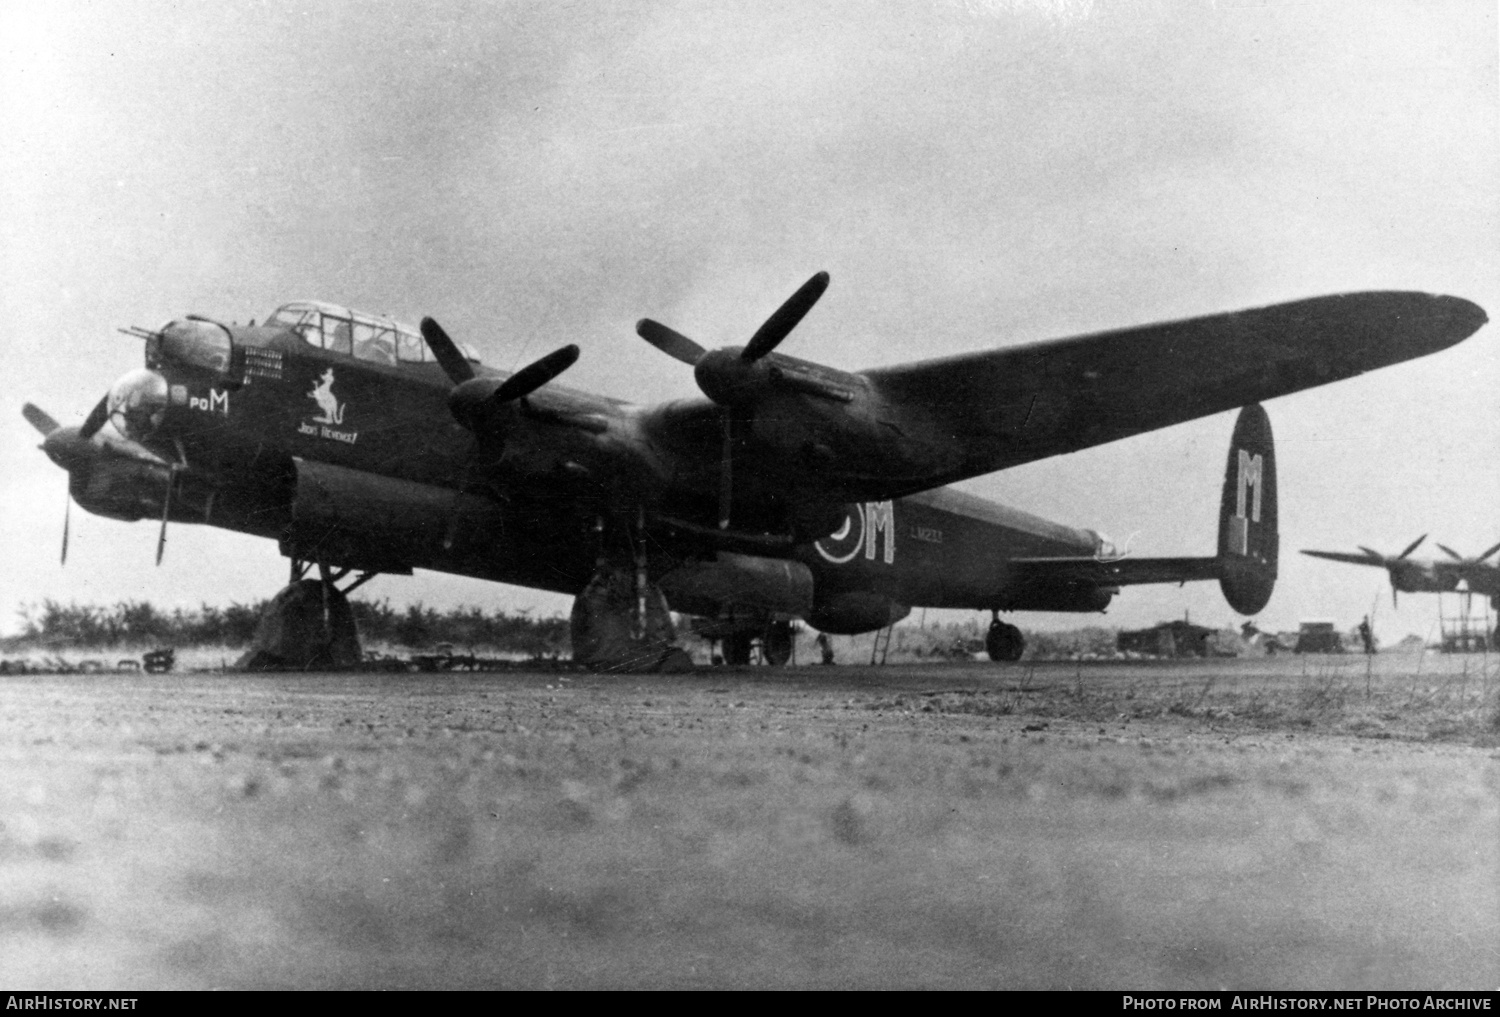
{"x":52,"y":625}
{"x":56,"y":625}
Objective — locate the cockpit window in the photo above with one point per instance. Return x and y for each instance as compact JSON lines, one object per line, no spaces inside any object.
{"x":409,"y":348}
{"x":375,"y":342}
{"x":300,"y":320}
{"x":337,"y":334}
{"x":288,"y":317}
{"x":369,"y":337}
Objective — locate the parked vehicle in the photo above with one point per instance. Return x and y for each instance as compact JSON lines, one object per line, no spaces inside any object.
{"x":1318,"y":637}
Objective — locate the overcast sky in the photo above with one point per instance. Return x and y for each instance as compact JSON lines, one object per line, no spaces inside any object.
{"x":972,"y":173}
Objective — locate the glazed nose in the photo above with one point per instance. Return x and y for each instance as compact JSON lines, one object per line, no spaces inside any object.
{"x":137,"y":402}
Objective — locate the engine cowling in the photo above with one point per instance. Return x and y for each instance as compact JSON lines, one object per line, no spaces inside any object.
{"x":372,"y":523}
{"x":856,"y":611}
{"x":119,"y":488}
{"x":740,"y":582}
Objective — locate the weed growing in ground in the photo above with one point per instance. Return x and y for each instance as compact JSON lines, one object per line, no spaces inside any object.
{"x":1444,"y":699}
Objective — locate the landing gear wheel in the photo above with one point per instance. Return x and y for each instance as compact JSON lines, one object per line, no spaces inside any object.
{"x":776,"y":644}
{"x":607,"y":633}
{"x":1004,"y":642}
{"x":737,"y":649}
{"x":308,"y":625}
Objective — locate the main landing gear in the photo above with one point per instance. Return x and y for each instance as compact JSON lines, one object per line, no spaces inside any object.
{"x":1003,"y":642}
{"x":775,"y":645}
{"x":620,"y":621}
{"x":308,"y":625}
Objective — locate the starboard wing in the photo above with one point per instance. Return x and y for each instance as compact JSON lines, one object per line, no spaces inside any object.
{"x":1017,"y":405}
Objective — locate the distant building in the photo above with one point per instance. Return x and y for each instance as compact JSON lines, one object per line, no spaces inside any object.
{"x":1171,"y":639}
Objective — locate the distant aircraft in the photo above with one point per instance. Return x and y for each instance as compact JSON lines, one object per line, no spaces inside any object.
{"x":792,"y":491}
{"x":1419,"y":575}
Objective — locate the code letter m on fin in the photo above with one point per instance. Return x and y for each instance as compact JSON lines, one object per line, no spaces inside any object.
{"x":1250,"y":476}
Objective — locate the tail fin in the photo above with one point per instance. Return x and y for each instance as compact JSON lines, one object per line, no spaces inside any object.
{"x":1248,"y":539}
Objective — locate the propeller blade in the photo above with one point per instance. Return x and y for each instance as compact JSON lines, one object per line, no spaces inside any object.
{"x":1451,"y":553}
{"x":39,"y":419}
{"x":166,"y":507}
{"x":1412,"y":546}
{"x":1486,"y":555}
{"x":778,"y":325}
{"x":726,"y":471}
{"x":673,"y":343}
{"x":67,"y":511}
{"x":1376,"y":555}
{"x":452,"y":360}
{"x":95,"y":420}
{"x":536,"y":374}
{"x":1393,"y":594}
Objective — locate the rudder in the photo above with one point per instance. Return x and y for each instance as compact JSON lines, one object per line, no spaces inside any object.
{"x":1248,"y":539}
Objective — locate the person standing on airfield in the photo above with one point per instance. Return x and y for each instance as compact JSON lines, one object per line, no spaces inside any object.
{"x":1366,"y":634}
{"x":825,"y":645}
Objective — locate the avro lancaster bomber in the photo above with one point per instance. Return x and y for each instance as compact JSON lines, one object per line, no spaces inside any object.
{"x":790,"y":491}
{"x":1457,"y":574}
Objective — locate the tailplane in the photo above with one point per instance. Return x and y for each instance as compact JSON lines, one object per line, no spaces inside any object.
{"x":1248,"y":539}
{"x":1245,"y":564}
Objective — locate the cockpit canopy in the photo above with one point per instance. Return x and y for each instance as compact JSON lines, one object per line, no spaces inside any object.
{"x":365,"y":336}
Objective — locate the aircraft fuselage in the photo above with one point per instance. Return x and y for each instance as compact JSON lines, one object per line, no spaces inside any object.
{"x":363,"y":465}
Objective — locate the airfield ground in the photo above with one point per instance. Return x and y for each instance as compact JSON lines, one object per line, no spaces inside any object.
{"x":1228,"y":824}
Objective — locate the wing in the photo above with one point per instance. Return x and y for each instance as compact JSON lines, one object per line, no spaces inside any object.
{"x":1352,"y":559}
{"x":1018,"y":405}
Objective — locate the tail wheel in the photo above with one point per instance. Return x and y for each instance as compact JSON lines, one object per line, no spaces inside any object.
{"x":776,"y":644}
{"x":1004,"y":642}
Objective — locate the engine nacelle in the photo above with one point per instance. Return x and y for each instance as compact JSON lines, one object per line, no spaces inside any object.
{"x":373,"y":523}
{"x":121,"y":488}
{"x":739,"y":582}
{"x":857,"y":611}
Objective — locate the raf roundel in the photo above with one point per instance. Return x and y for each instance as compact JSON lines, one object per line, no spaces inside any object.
{"x":843,"y":544}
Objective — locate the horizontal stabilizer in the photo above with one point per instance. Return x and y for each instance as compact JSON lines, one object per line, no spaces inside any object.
{"x":1092,"y":571}
{"x":1248,"y":541}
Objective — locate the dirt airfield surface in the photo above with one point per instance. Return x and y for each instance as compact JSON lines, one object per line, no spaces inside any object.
{"x":1302,"y":823}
